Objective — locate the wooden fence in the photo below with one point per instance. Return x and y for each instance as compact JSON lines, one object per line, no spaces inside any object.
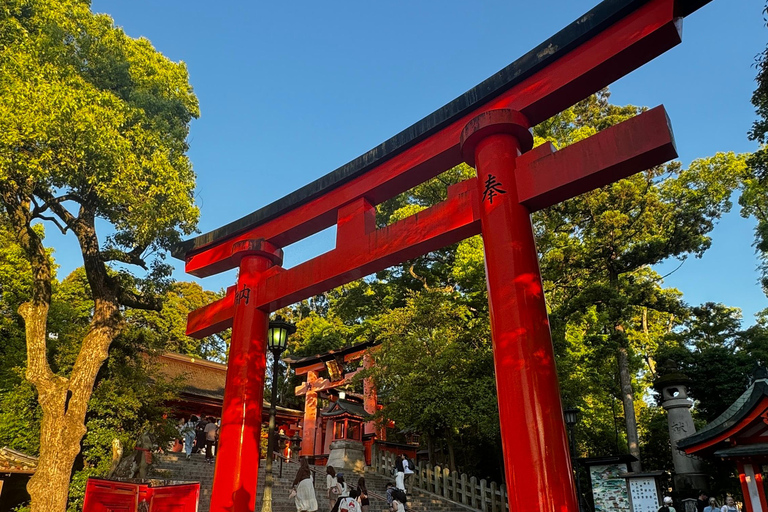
{"x":456,"y":487}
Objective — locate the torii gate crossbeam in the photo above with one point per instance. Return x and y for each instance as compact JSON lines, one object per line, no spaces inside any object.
{"x":488,"y":127}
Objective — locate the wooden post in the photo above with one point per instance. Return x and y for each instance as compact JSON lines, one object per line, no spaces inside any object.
{"x":446,"y":483}
{"x":455,"y":479}
{"x":428,"y":480}
{"x":483,"y":501}
{"x":494,"y":498}
{"x":436,"y":482}
{"x":420,"y":476}
{"x":504,"y":501}
{"x":473,"y":492}
{"x":464,"y":489}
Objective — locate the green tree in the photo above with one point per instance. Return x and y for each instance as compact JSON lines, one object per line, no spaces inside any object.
{"x":597,"y":248}
{"x":93,"y":125}
{"x":754,"y":197}
{"x":169,"y":324}
{"x":435,"y":370}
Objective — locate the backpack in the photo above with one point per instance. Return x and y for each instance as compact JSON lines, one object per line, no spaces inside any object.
{"x":349,"y":505}
{"x":400,"y":496}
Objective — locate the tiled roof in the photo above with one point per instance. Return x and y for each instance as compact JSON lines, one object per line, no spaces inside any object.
{"x":735,"y":413}
{"x":12,"y":461}
{"x":202,"y":378}
{"x":344,"y":406}
{"x":331,"y":354}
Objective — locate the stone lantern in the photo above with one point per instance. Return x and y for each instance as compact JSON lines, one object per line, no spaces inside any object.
{"x":673,"y":387}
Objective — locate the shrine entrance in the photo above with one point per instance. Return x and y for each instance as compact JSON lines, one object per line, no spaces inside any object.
{"x":489,"y":128}
{"x":316,"y":436}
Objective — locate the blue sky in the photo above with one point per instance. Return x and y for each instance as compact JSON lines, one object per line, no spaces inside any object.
{"x":289,"y":91}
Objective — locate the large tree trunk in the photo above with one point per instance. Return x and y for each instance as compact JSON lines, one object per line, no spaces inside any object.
{"x":627,"y":399}
{"x":451,"y":452}
{"x":64,"y":401}
{"x":625,"y":379}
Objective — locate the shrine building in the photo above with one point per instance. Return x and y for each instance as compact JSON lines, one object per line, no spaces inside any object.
{"x":202,"y":392}
{"x":740,"y":436}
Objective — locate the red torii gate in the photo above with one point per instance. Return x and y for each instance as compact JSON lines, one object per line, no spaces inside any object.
{"x":311,"y":366}
{"x":488,"y":127}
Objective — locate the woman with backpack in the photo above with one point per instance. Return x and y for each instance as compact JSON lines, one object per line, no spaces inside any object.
{"x":343,"y":487}
{"x":332,"y":486}
{"x":189,"y":435}
{"x":363,"y":493}
{"x":399,"y":473}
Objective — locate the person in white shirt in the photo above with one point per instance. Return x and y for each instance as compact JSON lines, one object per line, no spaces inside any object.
{"x":408,"y":470}
{"x":730,"y":505}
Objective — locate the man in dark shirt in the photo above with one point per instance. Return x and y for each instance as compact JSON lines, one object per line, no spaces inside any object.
{"x":702,"y":501}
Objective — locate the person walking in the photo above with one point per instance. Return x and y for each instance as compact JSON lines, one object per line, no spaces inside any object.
{"x":395,"y":498}
{"x":701,"y":501}
{"x":343,"y":487}
{"x":200,"y":435}
{"x":332,"y":486}
{"x":399,"y":473}
{"x":304,"y":485}
{"x":408,"y":468}
{"x":730,"y":505}
{"x":712,"y":507}
{"x":189,"y":435}
{"x":363,"y":493}
{"x":667,"y":505}
{"x":210,"y":431}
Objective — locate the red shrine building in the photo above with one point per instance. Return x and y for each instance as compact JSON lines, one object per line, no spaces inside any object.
{"x":740,"y":436}
{"x":202,"y":391}
{"x":347,"y":422}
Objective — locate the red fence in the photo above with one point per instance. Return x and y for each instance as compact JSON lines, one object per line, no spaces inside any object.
{"x":113,"y":496}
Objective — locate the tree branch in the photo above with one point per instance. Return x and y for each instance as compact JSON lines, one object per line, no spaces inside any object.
{"x":63,"y":229}
{"x":136,"y":301}
{"x":53,"y":200}
{"x":132,"y":258}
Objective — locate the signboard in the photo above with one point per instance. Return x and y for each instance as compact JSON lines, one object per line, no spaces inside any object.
{"x":609,"y":488}
{"x":644,"y":494}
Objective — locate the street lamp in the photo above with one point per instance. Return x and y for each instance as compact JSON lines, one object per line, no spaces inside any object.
{"x":277,"y":341}
{"x":571,"y":416}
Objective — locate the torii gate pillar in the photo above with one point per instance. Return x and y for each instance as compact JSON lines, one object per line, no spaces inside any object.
{"x":240,"y":436}
{"x":526,"y":377}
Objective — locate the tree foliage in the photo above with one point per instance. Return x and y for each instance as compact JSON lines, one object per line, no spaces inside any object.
{"x":609,"y":310}
{"x":93,"y":128}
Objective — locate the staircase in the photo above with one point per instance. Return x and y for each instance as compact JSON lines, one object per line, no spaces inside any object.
{"x":176,"y":467}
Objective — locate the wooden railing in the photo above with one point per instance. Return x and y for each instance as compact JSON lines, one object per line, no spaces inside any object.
{"x":468,"y":491}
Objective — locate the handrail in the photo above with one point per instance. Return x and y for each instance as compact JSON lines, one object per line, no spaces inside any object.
{"x":461,"y":489}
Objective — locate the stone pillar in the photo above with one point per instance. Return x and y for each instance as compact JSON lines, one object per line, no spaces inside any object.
{"x":673,"y":387}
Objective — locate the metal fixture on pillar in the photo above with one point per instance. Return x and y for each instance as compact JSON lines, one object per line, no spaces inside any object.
{"x":277,"y":341}
{"x":571,"y":415}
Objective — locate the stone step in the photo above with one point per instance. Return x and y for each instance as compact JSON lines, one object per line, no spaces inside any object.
{"x":173,"y":466}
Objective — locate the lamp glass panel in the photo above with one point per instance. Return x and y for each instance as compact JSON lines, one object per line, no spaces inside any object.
{"x":277,"y":337}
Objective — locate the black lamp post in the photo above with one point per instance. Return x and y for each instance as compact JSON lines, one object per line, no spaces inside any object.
{"x":571,"y":416}
{"x":277,"y":341}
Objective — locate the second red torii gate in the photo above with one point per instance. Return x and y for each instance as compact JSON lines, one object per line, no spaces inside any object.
{"x":488,"y":127}
{"x":311,"y":366}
